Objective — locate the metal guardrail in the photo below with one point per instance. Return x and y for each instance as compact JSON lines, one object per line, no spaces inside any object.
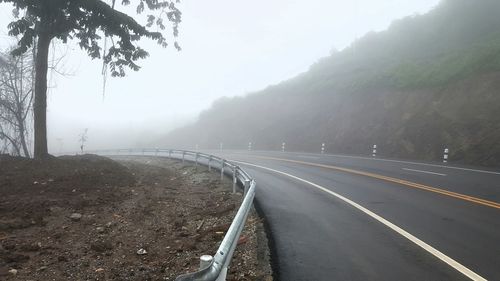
{"x":211,"y":268}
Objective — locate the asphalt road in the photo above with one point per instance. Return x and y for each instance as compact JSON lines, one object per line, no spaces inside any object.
{"x":422,"y":221}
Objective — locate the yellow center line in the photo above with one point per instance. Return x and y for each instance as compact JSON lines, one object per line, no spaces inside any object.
{"x":469,"y":198}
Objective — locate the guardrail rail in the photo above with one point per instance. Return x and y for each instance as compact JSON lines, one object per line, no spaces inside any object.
{"x":212,"y":268}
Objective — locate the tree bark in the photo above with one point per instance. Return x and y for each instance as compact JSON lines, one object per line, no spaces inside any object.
{"x":40,"y":106}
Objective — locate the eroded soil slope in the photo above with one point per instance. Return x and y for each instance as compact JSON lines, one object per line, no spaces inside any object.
{"x":91,"y":218}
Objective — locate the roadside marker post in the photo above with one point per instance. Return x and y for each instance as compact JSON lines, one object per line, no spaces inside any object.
{"x":374,"y":151}
{"x":220,"y":146}
{"x":445,"y":156}
{"x":183,"y":153}
{"x":323,"y":148}
{"x":196,"y":160}
{"x":249,"y":146}
{"x":209,"y":164}
{"x":196,"y":147}
{"x":235,"y":172}
{"x":283,"y":147}
{"x":222,"y":170}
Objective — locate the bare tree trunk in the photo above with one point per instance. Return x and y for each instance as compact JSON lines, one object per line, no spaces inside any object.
{"x":22,"y":140}
{"x":20,"y":105}
{"x":40,"y":107}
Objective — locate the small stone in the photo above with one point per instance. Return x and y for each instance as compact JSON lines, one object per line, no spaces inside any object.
{"x":100,"y":229}
{"x":101,"y":246}
{"x":141,"y":252}
{"x":13,"y":271}
{"x":99,"y":270}
{"x":42,"y":268}
{"x":75,"y":217}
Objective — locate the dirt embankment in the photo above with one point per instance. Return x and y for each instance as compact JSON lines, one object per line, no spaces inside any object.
{"x":90,"y":218}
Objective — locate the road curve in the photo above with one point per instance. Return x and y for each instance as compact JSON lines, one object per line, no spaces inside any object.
{"x":318,"y":236}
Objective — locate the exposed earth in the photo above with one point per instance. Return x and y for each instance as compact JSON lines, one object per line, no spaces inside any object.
{"x":144,"y":218}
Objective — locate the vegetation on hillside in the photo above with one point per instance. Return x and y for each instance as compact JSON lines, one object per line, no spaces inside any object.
{"x":428,"y":82}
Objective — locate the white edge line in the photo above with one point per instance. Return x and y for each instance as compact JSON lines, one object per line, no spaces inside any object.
{"x":425,"y":172}
{"x":456,"y":265}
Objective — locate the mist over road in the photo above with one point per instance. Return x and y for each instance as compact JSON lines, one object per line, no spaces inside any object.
{"x":318,"y":210}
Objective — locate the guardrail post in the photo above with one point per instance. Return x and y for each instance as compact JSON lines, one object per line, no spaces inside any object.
{"x":235,"y":179}
{"x":222,"y":275}
{"x":222,"y":170}
{"x":196,"y":160}
{"x":247,"y":186}
{"x":205,"y":261}
{"x":209,"y":164}
{"x":183,"y":153}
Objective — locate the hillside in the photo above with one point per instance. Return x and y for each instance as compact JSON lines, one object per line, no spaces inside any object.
{"x":428,"y":82}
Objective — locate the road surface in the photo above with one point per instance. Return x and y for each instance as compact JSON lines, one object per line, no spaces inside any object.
{"x":353,"y":218}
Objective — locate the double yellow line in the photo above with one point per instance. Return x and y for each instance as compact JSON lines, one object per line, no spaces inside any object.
{"x":472,"y":199}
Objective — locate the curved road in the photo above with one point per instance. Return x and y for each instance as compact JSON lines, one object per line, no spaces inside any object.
{"x":353,"y":218}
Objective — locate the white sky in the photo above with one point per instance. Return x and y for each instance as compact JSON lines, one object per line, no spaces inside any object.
{"x":230,"y":47}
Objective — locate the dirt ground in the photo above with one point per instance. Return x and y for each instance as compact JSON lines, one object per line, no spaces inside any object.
{"x":90,"y":218}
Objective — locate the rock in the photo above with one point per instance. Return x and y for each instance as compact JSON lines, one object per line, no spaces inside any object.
{"x":13,"y":271}
{"x":141,"y":252}
{"x":100,"y":229}
{"x":76,"y":217}
{"x":99,"y":270}
{"x":31,"y":247}
{"x":242,"y":240}
{"x":101,"y":246}
{"x":42,"y":268}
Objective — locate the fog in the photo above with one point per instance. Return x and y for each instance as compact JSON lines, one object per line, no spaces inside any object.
{"x":229,"y":48}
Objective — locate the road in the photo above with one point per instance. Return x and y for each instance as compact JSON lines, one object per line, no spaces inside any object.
{"x":353,"y":218}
